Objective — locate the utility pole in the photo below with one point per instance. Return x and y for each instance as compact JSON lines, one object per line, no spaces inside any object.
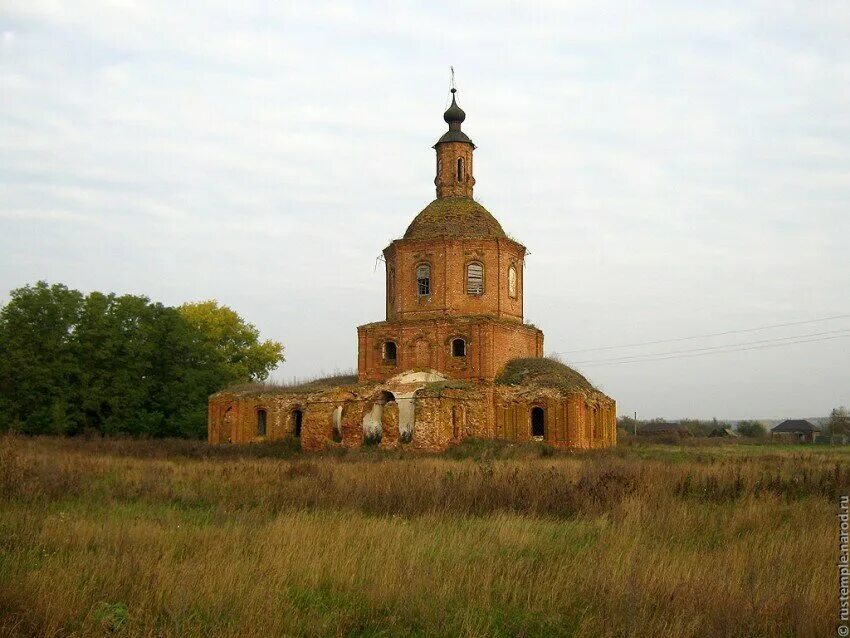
{"x":635,"y":422}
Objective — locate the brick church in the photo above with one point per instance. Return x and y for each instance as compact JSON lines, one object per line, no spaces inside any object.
{"x":453,"y":358}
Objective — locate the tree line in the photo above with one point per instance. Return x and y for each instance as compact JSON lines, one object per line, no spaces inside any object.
{"x":107,"y":363}
{"x":838,"y":425}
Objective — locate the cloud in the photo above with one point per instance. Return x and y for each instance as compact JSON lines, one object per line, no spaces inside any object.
{"x":674,"y":170}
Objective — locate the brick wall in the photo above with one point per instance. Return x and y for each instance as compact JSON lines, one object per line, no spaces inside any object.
{"x":446,"y":181}
{"x":427,"y":345}
{"x":448,"y":259}
{"x":447,"y":418}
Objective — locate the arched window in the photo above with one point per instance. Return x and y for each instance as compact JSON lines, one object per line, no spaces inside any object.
{"x":458,"y":348}
{"x":460,"y":169}
{"x":262,"y":417}
{"x":391,"y":284}
{"x":475,"y":279}
{"x":390,"y":351}
{"x":512,"y":281}
{"x":538,"y":422}
{"x":297,"y":417}
{"x":423,"y":279}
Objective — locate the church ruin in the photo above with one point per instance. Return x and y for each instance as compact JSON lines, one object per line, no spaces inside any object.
{"x":453,"y":358}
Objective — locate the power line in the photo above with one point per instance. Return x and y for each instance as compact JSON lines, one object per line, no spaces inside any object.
{"x":720,"y":347}
{"x":706,"y":336}
{"x":703,"y":354}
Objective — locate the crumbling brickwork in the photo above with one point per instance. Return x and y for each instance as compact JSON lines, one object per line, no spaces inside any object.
{"x":452,"y":359}
{"x":444,"y":414}
{"x":454,"y":169}
{"x":448,"y":259}
{"x":427,"y":345}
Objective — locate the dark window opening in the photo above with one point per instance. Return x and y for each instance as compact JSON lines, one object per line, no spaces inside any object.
{"x":538,"y":422}
{"x":390,"y":351}
{"x":458,"y":348}
{"x":474,"y":279}
{"x":460,"y":169}
{"x":297,"y":417}
{"x":423,"y":280}
{"x":391,"y":285}
{"x":261,"y":422}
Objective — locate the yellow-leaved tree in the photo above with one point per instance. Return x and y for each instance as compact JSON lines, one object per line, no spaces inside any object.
{"x":234,"y":343}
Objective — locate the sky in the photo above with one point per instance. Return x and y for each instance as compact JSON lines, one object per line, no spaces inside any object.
{"x":674,"y":169}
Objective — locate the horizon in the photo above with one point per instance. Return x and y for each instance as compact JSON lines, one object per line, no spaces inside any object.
{"x":676,"y":172}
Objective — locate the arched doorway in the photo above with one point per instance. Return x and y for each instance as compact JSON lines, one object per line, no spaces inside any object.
{"x":538,"y":422}
{"x":297,"y":418}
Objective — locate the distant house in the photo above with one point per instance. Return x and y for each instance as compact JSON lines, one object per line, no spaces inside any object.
{"x":802,"y":429}
{"x":727,"y":431}
{"x":659,"y":429}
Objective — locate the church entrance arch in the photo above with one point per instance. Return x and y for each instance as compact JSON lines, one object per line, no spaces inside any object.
{"x":538,"y":422}
{"x":297,"y":418}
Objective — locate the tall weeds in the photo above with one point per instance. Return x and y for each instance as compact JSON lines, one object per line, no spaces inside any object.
{"x":133,"y":538}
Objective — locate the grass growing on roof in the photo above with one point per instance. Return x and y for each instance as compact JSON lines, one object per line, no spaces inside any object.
{"x":452,"y":216}
{"x":436,"y":388}
{"x":305,"y":385}
{"x":544,"y":372}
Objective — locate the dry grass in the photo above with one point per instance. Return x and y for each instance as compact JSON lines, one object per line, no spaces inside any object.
{"x":453,"y":216}
{"x":312,"y":384}
{"x":161,"y":539}
{"x":544,"y":371}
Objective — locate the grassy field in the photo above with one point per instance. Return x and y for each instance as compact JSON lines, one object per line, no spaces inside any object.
{"x":173,"y":538}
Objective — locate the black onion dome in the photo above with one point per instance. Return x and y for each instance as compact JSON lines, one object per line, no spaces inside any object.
{"x":454,"y":113}
{"x":454,"y":116}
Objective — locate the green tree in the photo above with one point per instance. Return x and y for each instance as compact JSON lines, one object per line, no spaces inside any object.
{"x":626,"y":423}
{"x":234,"y":344}
{"x":839,"y":422}
{"x":119,"y":363}
{"x":751,"y":429}
{"x":700,"y":428}
{"x":37,"y":328}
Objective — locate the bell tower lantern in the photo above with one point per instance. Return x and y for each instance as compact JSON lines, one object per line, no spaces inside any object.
{"x":454,"y":156}
{"x":454,"y":285}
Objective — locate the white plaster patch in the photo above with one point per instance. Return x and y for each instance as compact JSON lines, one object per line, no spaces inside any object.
{"x":337,"y":420}
{"x":404,"y":387}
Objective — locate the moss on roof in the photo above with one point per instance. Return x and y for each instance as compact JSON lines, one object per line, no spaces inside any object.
{"x":544,"y":372}
{"x":436,"y":388}
{"x":311,"y":385}
{"x":454,"y":217}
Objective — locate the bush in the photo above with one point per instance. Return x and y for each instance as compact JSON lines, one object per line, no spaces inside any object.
{"x":75,"y":363}
{"x":751,"y":429}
